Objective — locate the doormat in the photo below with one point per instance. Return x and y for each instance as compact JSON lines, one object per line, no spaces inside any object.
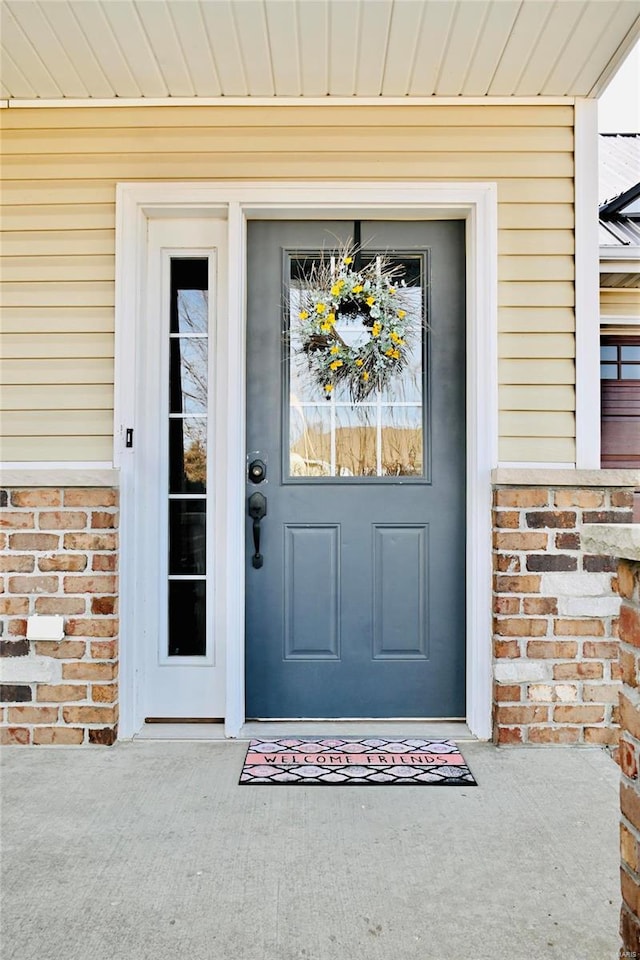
{"x":374,"y":761}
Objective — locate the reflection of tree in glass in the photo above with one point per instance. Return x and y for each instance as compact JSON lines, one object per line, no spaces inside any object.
{"x":192,"y":318}
{"x":195,"y":462}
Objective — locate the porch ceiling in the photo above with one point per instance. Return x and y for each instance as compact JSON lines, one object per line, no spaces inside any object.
{"x":79,"y":49}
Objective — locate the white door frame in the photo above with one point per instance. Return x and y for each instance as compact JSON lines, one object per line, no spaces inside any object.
{"x":235,"y":203}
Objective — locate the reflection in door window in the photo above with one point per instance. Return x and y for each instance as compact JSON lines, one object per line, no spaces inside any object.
{"x":187,"y":480}
{"x":381,"y":436}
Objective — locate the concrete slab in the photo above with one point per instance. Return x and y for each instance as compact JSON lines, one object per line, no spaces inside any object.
{"x":150,"y":850}
{"x":435,"y":729}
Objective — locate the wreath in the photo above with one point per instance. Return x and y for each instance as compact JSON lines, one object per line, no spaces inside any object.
{"x":373,"y":298}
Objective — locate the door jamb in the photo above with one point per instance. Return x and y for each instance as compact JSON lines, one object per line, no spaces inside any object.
{"x":236,"y":202}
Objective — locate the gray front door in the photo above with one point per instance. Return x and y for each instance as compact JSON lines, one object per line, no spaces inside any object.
{"x":358,"y":609}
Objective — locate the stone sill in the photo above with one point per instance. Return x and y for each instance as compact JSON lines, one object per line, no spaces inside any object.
{"x":612,"y":539}
{"x":545,"y":477}
{"x":59,"y":477}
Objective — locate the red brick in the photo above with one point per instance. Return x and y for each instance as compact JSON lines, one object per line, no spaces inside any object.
{"x":66,"y":735}
{"x":32,"y":714}
{"x":62,"y":520}
{"x":521,"y":714}
{"x":628,"y":759}
{"x":616,"y":670}
{"x":630,"y":891}
{"x":60,"y":692}
{"x":90,"y":584}
{"x":64,"y":650}
{"x":629,"y":665}
{"x":105,"y":561}
{"x":90,"y":541}
{"x":509,"y":735}
{"x":545,"y":562}
{"x":567,"y":541}
{"x":522,"y":627}
{"x":506,"y":563}
{"x":552,"y":649}
{"x":628,"y":578}
{"x":90,"y":497}
{"x":540,"y":605}
{"x":579,"y":498}
{"x":14,"y":736}
{"x":104,"y":692}
{"x":106,"y":736}
{"x":551,"y":519}
{"x":630,"y":933}
{"x":104,"y":605}
{"x":506,"y":692}
{"x":622,"y":498}
{"x":601,"y":692}
{"x":12,"y":606}
{"x":604,"y":736}
{"x":506,"y":649}
{"x":578,"y":628}
{"x":578,"y":714}
{"x":92,"y":628}
{"x":520,"y":541}
{"x":36,"y":498}
{"x":14,"y":648}
{"x":104,"y":649}
{"x":90,"y":714}
{"x":553,"y":734}
{"x":65,"y":562}
{"x":506,"y":518}
{"x":36,"y":584}
{"x":17,"y":563}
{"x":528,"y":584}
{"x":601,"y":650}
{"x":89,"y":671}
{"x":16,"y":521}
{"x":17,"y":628}
{"x":598,"y":564}
{"x":64,"y":606}
{"x":522,"y":497}
{"x":34,"y":541}
{"x":630,"y":804}
{"x":506,"y":605}
{"x":629,"y":625}
{"x":629,"y":716}
{"x":103,"y":521}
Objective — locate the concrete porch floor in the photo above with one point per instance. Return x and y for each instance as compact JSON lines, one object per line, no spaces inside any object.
{"x":150,"y":850}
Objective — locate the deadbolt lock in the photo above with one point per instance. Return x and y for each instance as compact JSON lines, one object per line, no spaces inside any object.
{"x":257,"y":471}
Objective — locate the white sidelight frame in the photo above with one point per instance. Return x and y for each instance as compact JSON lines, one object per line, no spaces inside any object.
{"x":236,"y":203}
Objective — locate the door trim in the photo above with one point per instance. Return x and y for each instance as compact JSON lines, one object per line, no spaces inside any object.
{"x":235,"y":203}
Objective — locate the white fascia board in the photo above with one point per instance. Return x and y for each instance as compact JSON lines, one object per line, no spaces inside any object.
{"x":296,"y":102}
{"x":609,"y":72}
{"x":587,"y":292}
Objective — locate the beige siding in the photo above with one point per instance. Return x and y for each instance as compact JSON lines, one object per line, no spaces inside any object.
{"x":60,"y":167}
{"x":620,"y":302}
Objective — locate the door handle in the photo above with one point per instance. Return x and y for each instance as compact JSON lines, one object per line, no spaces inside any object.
{"x":257,"y":510}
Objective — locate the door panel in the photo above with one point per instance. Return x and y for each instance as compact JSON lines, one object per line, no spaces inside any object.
{"x":358,"y":610}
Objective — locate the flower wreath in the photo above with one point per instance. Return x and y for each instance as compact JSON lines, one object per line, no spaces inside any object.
{"x":373,"y":295}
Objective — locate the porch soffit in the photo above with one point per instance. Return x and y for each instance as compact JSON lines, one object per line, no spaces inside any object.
{"x":130,"y":49}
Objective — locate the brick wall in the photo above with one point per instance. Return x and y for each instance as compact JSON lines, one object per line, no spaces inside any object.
{"x":59,"y":557}
{"x":556,"y":670}
{"x":629,"y":587}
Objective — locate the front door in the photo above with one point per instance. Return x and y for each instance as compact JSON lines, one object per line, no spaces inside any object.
{"x":357,"y":606}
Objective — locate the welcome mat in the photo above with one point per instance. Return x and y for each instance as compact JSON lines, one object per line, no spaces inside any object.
{"x":374,"y":761}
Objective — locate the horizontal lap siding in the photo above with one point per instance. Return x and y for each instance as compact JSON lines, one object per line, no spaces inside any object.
{"x":60,"y":167}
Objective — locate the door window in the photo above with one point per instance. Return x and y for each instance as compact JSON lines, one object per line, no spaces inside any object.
{"x":187,"y":480}
{"x":381,"y":437}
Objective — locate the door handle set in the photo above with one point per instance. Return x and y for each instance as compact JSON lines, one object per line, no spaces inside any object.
{"x":257,"y":511}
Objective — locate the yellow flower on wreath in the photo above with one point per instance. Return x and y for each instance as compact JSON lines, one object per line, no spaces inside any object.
{"x":359,"y":362}
{"x":321,"y":307}
{"x":335,"y":364}
{"x":331,"y":319}
{"x":365,"y":375}
{"x":396,"y":338}
{"x":328,"y":387}
{"x":395,"y":354}
{"x":303,"y":315}
{"x":358,"y":288}
{"x":370,"y":301}
{"x":348,"y":260}
{"x":401,"y":314}
{"x":335,"y":349}
{"x":375,"y":330}
{"x":336,"y":289}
